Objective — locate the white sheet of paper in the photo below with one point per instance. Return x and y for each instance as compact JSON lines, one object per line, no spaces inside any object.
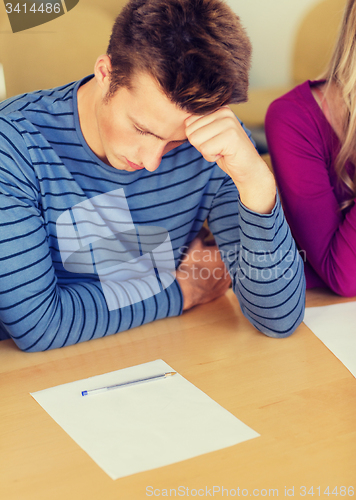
{"x":335,"y":326}
{"x":141,"y":427}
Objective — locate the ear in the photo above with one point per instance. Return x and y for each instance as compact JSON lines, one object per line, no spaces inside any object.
{"x":102,"y":71}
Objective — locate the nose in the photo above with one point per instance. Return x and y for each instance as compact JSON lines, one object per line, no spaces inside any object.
{"x":152,"y":158}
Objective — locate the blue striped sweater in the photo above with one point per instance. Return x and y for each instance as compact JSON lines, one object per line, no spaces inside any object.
{"x":46,"y":168}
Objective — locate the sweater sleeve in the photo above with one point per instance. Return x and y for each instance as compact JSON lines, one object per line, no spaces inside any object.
{"x":300,"y":159}
{"x":263,"y":262}
{"x":35,"y":311}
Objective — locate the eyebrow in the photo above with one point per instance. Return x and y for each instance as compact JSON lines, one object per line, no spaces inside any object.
{"x":144,"y":129}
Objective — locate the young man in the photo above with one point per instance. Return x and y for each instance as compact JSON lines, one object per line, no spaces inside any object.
{"x":105,"y":184}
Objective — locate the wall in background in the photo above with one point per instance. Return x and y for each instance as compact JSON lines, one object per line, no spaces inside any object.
{"x":271,"y":26}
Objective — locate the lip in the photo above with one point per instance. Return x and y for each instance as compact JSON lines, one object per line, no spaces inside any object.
{"x":134,"y":165}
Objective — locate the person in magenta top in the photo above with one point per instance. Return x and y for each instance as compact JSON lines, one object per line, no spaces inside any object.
{"x":311,"y":134}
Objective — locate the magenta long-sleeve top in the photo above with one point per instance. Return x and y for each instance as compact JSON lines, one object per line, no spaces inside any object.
{"x":303,"y":148}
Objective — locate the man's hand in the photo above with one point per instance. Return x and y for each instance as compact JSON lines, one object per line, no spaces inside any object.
{"x":202,"y":275}
{"x":220,"y":137}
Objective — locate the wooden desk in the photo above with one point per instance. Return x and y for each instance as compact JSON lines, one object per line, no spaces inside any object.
{"x":293,"y":391}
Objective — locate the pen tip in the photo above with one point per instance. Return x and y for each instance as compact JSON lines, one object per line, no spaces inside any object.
{"x":170,"y":373}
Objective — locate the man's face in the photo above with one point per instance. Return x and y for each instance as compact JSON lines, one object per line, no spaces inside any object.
{"x":138,"y":126}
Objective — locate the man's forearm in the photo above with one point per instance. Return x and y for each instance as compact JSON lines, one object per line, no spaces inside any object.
{"x":258,"y":189}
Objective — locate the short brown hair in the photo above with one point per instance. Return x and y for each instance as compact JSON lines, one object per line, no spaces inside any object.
{"x":197,"y":51}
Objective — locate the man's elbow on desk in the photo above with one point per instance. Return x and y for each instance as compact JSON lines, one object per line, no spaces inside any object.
{"x":278,"y":313}
{"x":280,"y":325}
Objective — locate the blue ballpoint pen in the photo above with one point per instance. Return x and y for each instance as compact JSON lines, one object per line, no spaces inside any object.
{"x":125,"y":384}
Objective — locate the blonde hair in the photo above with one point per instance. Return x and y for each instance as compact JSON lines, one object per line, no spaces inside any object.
{"x":342,"y":72}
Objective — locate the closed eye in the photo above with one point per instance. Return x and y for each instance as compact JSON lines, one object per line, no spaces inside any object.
{"x":141,"y":132}
{"x":145,"y":132}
